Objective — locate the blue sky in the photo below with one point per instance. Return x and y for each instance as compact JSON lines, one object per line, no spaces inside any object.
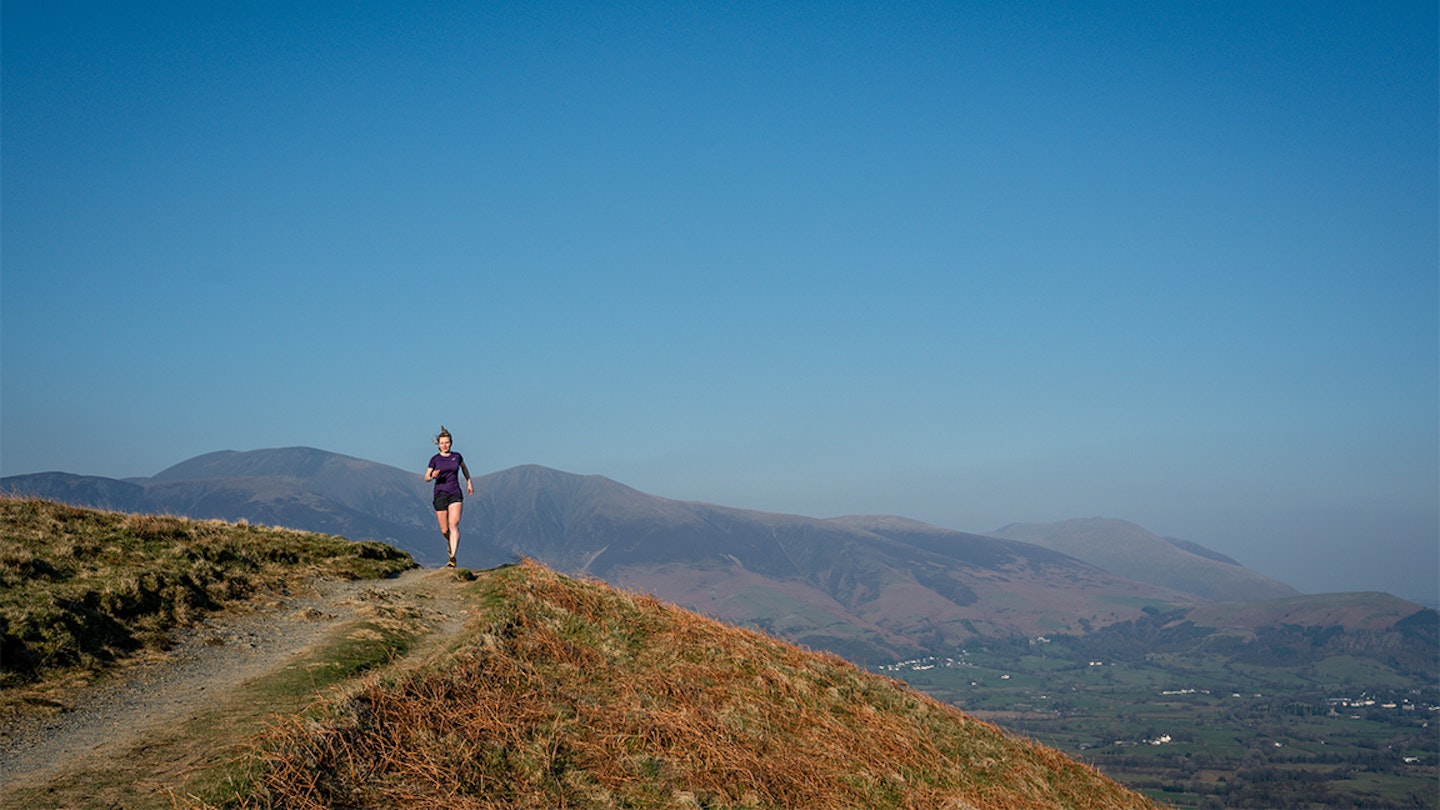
{"x":971,"y":263}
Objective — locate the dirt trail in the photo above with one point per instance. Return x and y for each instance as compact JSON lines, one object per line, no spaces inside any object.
{"x":133,"y":723}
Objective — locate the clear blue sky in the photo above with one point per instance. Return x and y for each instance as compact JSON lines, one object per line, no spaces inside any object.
{"x":972,"y":263}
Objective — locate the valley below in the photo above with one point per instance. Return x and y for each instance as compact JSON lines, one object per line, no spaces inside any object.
{"x":1208,"y":730}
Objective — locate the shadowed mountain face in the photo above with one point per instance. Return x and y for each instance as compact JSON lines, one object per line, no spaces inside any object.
{"x":376,"y":491}
{"x":593,"y":524}
{"x":1130,"y":551}
{"x":81,"y":490}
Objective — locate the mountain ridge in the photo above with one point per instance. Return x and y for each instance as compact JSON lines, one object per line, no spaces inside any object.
{"x":1132,"y":551}
{"x":867,"y":587}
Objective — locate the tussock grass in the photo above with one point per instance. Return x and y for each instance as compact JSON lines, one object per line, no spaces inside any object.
{"x":572,"y":694}
{"x":202,"y":757}
{"x":385,"y":632}
{"x":81,"y":588}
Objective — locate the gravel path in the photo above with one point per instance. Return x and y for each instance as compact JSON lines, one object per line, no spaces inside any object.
{"x":111,"y":718}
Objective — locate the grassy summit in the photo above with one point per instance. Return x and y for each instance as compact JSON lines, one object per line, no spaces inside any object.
{"x":81,"y":589}
{"x":568,"y":693}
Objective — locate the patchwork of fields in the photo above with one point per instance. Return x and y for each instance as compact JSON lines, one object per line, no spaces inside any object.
{"x":1203,"y":731}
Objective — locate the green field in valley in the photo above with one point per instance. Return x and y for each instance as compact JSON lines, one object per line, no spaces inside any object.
{"x":1204,"y":731}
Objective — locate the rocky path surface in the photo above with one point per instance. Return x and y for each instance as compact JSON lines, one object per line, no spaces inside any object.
{"x":123,"y":722}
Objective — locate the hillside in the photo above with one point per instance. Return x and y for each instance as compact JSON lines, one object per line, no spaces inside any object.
{"x":80,"y":589}
{"x":574,"y":694}
{"x":848,"y":586}
{"x":1130,"y":551}
{"x":827,"y":584}
{"x":1353,"y":611}
{"x":513,"y":687}
{"x":295,"y":487}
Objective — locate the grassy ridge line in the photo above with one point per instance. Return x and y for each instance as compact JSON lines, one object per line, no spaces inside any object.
{"x":81,"y":588}
{"x":573,"y":694}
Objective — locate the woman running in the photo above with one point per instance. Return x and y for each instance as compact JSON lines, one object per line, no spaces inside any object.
{"x":445,"y":470}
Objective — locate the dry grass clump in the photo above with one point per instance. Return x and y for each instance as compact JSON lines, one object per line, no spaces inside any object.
{"x":81,"y":587}
{"x":575,"y":695}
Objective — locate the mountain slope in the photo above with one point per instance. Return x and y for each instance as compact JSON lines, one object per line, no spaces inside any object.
{"x":1133,"y":552}
{"x":296,"y":487}
{"x":379,"y":491}
{"x":87,"y":491}
{"x":830,"y":584}
{"x":1351,"y":611}
{"x":871,"y":589}
{"x":573,"y":694}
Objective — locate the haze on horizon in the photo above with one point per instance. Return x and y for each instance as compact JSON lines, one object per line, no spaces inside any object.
{"x":968,"y":263}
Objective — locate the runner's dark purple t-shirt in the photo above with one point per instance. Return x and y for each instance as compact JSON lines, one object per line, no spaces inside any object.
{"x":447,"y":469}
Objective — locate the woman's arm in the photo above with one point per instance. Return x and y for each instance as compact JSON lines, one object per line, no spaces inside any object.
{"x":468,"y":485}
{"x":430,"y":474}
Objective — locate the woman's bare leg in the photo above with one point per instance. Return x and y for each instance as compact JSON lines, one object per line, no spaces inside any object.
{"x":444,"y":519}
{"x":454,"y":534}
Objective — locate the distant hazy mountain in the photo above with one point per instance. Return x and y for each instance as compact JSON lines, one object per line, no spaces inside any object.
{"x":1130,"y":551}
{"x":379,"y":492}
{"x":834,"y":584}
{"x":81,"y":490}
{"x":1357,"y":610}
{"x":1196,"y":548}
{"x":868,"y":588}
{"x":298,"y":487}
